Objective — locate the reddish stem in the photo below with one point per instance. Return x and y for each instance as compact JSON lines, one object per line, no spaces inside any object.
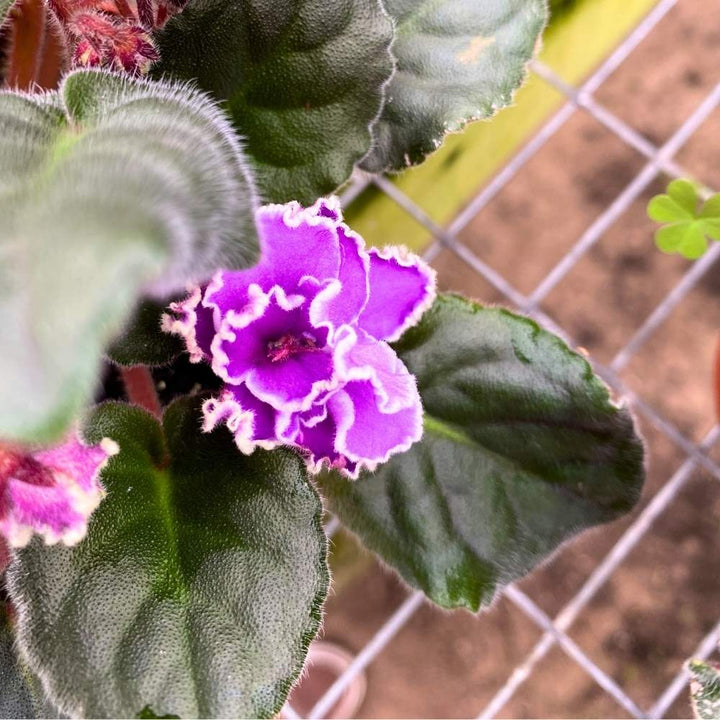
{"x":140,"y":388}
{"x":36,"y":52}
{"x":4,"y":555}
{"x":717,"y":379}
{"x":124,"y":9}
{"x":145,"y":14}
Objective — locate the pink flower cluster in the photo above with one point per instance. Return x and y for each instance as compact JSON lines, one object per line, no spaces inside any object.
{"x":51,"y":492}
{"x":113,"y":34}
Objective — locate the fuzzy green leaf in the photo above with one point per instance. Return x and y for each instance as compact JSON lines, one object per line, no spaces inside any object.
{"x":705,"y":689}
{"x":142,"y":342}
{"x":198,"y":587}
{"x":109,"y":189}
{"x":522,"y":449}
{"x":16,"y":699}
{"x":302,"y":79}
{"x":457,"y":61}
{"x":690,"y":225}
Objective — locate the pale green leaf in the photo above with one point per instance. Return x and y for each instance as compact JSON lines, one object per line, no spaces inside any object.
{"x":685,"y":194}
{"x":694,"y":243}
{"x":670,"y":237}
{"x":663,"y":208}
{"x":109,"y":189}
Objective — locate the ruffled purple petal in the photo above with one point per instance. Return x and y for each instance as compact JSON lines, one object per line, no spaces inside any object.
{"x":369,"y":436}
{"x":360,"y":357}
{"x":289,"y":424}
{"x":402,"y":288}
{"x":315,"y":433}
{"x":298,"y":243}
{"x":251,"y":421}
{"x":193,"y":322}
{"x":232,"y":291}
{"x":344,"y":299}
{"x":357,"y":433}
{"x":48,"y":511}
{"x":52,"y":492}
{"x":294,"y":383}
{"x":328,"y":207}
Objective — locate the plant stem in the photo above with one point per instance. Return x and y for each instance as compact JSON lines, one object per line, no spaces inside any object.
{"x":140,"y":388}
{"x":717,"y":378}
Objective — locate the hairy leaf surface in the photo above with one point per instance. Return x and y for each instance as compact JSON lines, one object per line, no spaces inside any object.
{"x":142,"y":342}
{"x":705,"y":689}
{"x":16,"y":700}
{"x":109,"y":189}
{"x":457,"y":61}
{"x":198,"y":588}
{"x":303,"y":80}
{"x":522,"y":449}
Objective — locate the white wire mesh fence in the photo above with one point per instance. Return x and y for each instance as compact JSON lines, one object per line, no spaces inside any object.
{"x":659,"y":162}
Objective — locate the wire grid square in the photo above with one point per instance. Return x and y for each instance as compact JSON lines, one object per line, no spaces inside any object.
{"x":658,"y":161}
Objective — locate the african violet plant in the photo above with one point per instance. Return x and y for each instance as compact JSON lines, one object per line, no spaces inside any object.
{"x":166,"y":175}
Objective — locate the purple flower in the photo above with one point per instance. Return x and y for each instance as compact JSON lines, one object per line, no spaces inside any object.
{"x":301,"y":341}
{"x":51,"y":492}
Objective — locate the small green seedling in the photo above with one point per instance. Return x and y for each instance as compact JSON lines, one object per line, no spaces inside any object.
{"x":704,"y":689}
{"x":688,"y":222}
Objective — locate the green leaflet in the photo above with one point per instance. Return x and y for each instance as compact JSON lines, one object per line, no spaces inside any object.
{"x":688,"y":221}
{"x":522,"y":449}
{"x":109,"y":189}
{"x":457,"y":61}
{"x":302,"y":79}
{"x":198,"y":588}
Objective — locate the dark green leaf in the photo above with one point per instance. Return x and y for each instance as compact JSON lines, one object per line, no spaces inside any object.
{"x":108,"y":189}
{"x":198,"y":588}
{"x":16,"y":700}
{"x":457,"y":61}
{"x":142,"y":342}
{"x":302,"y":79}
{"x":147,"y":714}
{"x":522,"y":449}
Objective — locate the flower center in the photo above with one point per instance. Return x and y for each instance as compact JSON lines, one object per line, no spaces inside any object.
{"x":20,"y":466}
{"x":290,"y":345}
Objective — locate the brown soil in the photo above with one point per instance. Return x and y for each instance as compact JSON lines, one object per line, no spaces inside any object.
{"x":665,"y":597}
